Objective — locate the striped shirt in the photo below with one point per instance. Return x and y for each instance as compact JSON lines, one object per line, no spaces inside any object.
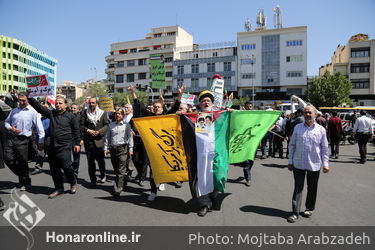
{"x":308,"y":147}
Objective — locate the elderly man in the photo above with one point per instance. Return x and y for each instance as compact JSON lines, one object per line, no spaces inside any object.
{"x":64,"y":136}
{"x":20,"y":123}
{"x":308,"y":153}
{"x":94,"y":125}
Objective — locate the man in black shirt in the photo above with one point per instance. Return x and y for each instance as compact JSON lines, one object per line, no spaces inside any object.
{"x":64,"y":134}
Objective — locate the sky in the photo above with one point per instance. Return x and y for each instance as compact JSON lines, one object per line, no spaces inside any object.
{"x":78,"y":33}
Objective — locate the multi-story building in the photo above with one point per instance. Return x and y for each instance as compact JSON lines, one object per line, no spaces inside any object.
{"x":70,"y":90}
{"x":196,"y":68}
{"x":19,"y":60}
{"x":129,"y":62}
{"x":356,"y":60}
{"x":273,"y":62}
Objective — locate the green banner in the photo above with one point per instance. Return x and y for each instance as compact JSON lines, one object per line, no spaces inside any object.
{"x":247,"y":129}
{"x":157,"y":71}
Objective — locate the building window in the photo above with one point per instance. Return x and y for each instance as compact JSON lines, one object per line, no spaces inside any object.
{"x":228,"y":80}
{"x":209,"y":81}
{"x":248,"y":46}
{"x":130,"y":77}
{"x":141,"y":76}
{"x":360,"y":52}
{"x":194,"y":82}
{"x":130,"y":63}
{"x":180,"y":82}
{"x":168,"y":74}
{"x":171,"y":33}
{"x":157,"y":35}
{"x":294,"y":91}
{"x":248,"y":76}
{"x":119,"y":78}
{"x":142,"y":61}
{"x":360,"y":83}
{"x":195,"y":68}
{"x":133,"y":50}
{"x":168,"y":59}
{"x":246,"y":61}
{"x":214,"y":54}
{"x":120,"y":64}
{"x":180,"y":69}
{"x":210,"y":67}
{"x":227,"y":66}
{"x":294,"y":74}
{"x":294,"y":43}
{"x":359,"y":67}
{"x":196,"y":56}
{"x":297,"y":58}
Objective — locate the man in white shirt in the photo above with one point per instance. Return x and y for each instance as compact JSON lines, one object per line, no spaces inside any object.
{"x":363,"y":131}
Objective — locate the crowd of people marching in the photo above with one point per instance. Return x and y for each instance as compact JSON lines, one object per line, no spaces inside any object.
{"x":31,"y":129}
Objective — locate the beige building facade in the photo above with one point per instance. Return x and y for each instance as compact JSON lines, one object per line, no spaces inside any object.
{"x":70,"y":90}
{"x":356,"y":60}
{"x":129,"y":62}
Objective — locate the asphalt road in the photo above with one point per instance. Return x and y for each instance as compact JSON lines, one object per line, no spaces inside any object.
{"x":346,"y":196}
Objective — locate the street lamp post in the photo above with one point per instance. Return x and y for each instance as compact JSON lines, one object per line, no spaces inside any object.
{"x":252,"y":78}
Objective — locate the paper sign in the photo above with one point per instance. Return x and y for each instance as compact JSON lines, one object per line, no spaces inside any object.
{"x":38,"y":86}
{"x":106,"y":103}
{"x":217,"y":90}
{"x":188,"y":99}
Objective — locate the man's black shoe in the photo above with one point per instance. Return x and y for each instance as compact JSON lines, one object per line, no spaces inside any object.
{"x":203,"y":211}
{"x":2,"y":205}
{"x":36,"y":171}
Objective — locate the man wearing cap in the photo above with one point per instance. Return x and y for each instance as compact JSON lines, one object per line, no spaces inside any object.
{"x":206,"y":99}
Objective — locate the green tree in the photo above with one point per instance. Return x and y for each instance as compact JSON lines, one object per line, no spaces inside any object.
{"x":330,"y":90}
{"x":241,"y":101}
{"x":121,"y":98}
{"x":80,"y":100}
{"x":97,"y":90}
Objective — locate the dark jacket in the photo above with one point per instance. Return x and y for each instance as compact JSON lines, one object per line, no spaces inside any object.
{"x":101,"y":126}
{"x":64,"y":128}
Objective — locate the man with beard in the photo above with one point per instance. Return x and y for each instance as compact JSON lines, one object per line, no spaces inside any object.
{"x":64,"y":133}
{"x":94,"y":125}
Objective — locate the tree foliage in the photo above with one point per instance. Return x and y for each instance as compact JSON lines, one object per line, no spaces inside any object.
{"x":122,"y":98}
{"x":241,"y":101}
{"x":97,"y":90}
{"x":330,"y":90}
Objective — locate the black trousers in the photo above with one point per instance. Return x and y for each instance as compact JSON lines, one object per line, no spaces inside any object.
{"x":76,"y":161}
{"x":140,"y":159}
{"x":118,"y":159}
{"x":312,"y":188}
{"x":335,"y":144}
{"x":60,"y":162}
{"x":362,"y":139}
{"x":247,"y":165}
{"x":95,"y":154}
{"x":278,"y":145}
{"x":16,"y":157}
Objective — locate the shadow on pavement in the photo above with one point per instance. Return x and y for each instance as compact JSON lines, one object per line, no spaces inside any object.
{"x":273,"y":165}
{"x":266,"y":211}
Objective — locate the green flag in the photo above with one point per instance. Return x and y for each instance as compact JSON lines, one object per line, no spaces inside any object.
{"x":247,"y":129}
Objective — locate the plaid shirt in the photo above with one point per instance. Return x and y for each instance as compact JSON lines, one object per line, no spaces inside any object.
{"x":308,"y":148}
